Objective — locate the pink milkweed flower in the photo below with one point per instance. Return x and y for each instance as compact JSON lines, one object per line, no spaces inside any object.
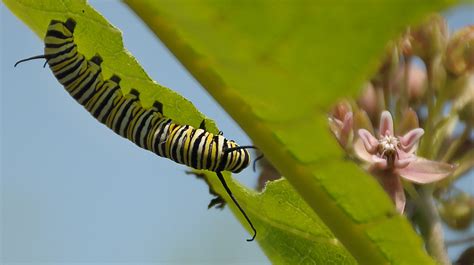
{"x":340,"y":123}
{"x":391,"y":157}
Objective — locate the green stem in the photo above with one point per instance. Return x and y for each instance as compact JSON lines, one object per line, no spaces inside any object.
{"x":403,"y":100}
{"x":461,"y":241}
{"x":430,"y":225}
{"x":434,"y":108}
{"x":456,"y":144}
{"x":388,"y":78}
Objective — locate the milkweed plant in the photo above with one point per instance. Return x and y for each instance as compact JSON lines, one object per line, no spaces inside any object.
{"x":411,"y":129}
{"x":405,"y":140}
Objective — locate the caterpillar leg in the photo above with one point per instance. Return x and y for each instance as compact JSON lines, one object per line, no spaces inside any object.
{"x":97,"y":59}
{"x":202,"y":125}
{"x":116,"y":79}
{"x":158,"y":107}
{"x":135,"y":93}
{"x":70,"y":24}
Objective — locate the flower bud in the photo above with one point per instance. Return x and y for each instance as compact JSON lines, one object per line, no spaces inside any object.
{"x":340,"y":110}
{"x":340,"y":123}
{"x":457,"y":212}
{"x":405,"y":46}
{"x":457,"y":89}
{"x":466,"y":114}
{"x":267,"y":173}
{"x":408,"y":121}
{"x":416,"y":83}
{"x":438,"y":72}
{"x":462,"y":94}
{"x":368,"y":99}
{"x":459,"y":57}
{"x":466,"y":257}
{"x":372,"y":101}
{"x":429,"y":38}
{"x":362,"y":121}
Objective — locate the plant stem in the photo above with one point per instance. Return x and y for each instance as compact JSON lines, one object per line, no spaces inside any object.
{"x":456,"y":144}
{"x":430,"y":226}
{"x":461,"y":241}
{"x":403,"y":99}
{"x":434,"y":108}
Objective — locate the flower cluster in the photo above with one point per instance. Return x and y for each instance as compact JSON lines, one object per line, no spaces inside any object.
{"x":426,"y":78}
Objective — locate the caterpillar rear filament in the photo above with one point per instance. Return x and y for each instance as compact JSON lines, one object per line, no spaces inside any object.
{"x":124,"y":114}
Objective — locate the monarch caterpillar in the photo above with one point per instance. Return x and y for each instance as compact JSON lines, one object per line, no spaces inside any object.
{"x":124,"y":114}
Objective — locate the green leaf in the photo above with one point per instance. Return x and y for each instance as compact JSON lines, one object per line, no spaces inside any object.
{"x":289,"y":232}
{"x":276,"y":67}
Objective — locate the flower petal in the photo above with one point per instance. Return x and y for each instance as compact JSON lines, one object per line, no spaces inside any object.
{"x":404,"y":159}
{"x":399,"y":198}
{"x":386,"y":124}
{"x":336,"y":126}
{"x":410,"y":139}
{"x":361,"y":152}
{"x":347,"y":123}
{"x":424,"y":171}
{"x":346,"y":129}
{"x":370,"y":142}
{"x":341,"y":109}
{"x":394,"y":188}
{"x":342,"y":129}
{"x":379,"y":162}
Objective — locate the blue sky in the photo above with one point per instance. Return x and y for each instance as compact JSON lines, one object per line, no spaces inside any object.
{"x":73,"y":191}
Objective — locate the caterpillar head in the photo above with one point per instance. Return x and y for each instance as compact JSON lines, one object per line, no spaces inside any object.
{"x":69,"y":25}
{"x":236,"y":157}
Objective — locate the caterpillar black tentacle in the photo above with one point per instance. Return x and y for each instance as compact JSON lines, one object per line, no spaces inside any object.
{"x":124,"y":114}
{"x":221,"y":178}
